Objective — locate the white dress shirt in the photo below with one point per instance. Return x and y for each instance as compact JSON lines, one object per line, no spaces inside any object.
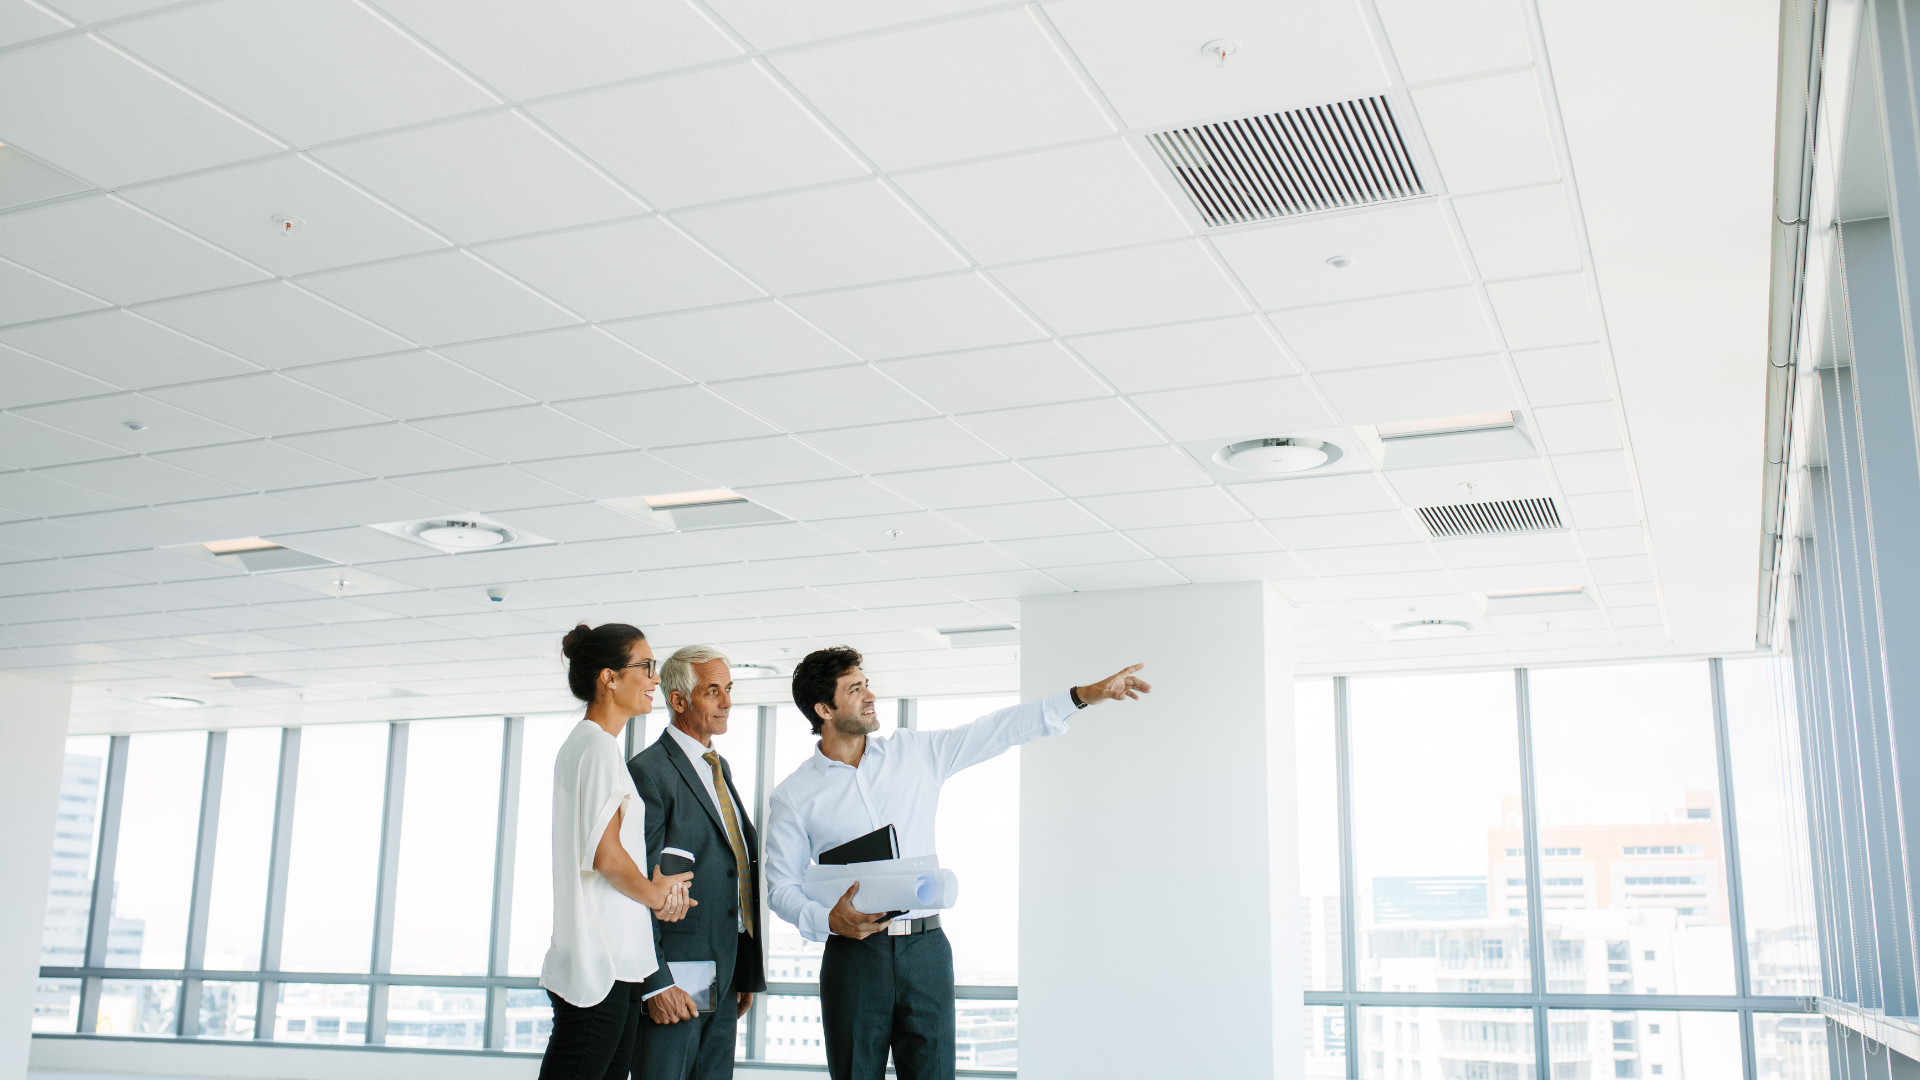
{"x":695,"y":755}
{"x":826,"y":803}
{"x":600,"y":935}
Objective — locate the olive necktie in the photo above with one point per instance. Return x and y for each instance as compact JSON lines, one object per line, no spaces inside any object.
{"x":727,"y":814}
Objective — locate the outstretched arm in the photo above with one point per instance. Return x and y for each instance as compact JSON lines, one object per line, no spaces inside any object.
{"x":1120,"y":684}
{"x":956,"y":748}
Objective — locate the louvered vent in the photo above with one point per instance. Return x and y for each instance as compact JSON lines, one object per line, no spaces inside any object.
{"x":1492,"y":518}
{"x":1324,"y":158}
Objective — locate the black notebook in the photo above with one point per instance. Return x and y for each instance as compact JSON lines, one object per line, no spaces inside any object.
{"x":881,"y":843}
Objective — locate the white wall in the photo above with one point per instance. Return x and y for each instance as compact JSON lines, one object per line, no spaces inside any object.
{"x":1158,"y":892}
{"x":33,"y":736}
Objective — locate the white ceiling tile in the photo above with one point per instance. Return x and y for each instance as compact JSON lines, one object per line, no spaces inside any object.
{"x":955,"y":90}
{"x":275,"y":325}
{"x":29,"y":380}
{"x":770,"y":541}
{"x":1623,"y":570}
{"x":881,"y":533}
{"x":915,"y":444}
{"x":1060,"y":429}
{"x":1516,"y":233}
{"x":1185,"y":506}
{"x":915,"y":604}
{"x":105,"y":419}
{"x":1507,"y":550}
{"x":1048,"y":203}
{"x":489,"y":488}
{"x":909,"y":318}
{"x":1488,"y":133}
{"x":1574,"y":429}
{"x":1636,"y":616}
{"x":368,"y":502}
{"x":24,"y":22}
{"x":410,"y":385}
{"x":1427,"y":390}
{"x":1373,"y":586}
{"x":1225,"y":538}
{"x":49,"y":494}
{"x":778,"y":602}
{"x":1390,"y":250}
{"x":1381,"y":559}
{"x":352,"y":73}
{"x":137,"y":480}
{"x":1081,"y":550}
{"x":958,"y":559}
{"x":255,"y":515}
{"x":827,"y":238}
{"x":620,"y":475}
{"x":387,"y":449}
{"x":1009,"y":583}
{"x":577,"y":521}
{"x":818,"y":570}
{"x":1026,"y":520}
{"x":1390,"y":330}
{"x":440,"y":298}
{"x":1562,"y":376}
{"x":847,"y":497}
{"x":628,"y":268}
{"x":716,"y":134}
{"x":1462,"y":38}
{"x":160,"y":566}
{"x":1623,"y":541}
{"x":828,"y":624}
{"x":1312,"y":496}
{"x":554,"y":365}
{"x":1629,"y":595}
{"x":79,"y":105}
{"x":25,"y":296}
{"x":822,"y":399}
{"x":113,"y":251}
{"x":683,"y":414}
{"x":267,"y":404}
{"x":54,"y":538}
{"x":1150,"y":468}
{"x":523,"y":434}
{"x":1121,"y":575}
{"x":566,"y":44}
{"x":1544,"y":311}
{"x":237,"y":207}
{"x":1345,"y":530}
{"x":1190,"y":354}
{"x":23,"y":179}
{"x":733,"y":342}
{"x":970,"y":485}
{"x":1270,"y":566}
{"x":1012,"y":375}
{"x":1163,"y":283}
{"x":25,"y":444}
{"x":545,"y":561}
{"x":123,"y":349}
{"x":773,"y":23}
{"x":1522,"y":576}
{"x":1641,"y":635}
{"x":354,"y":545}
{"x":1146,"y":55}
{"x":1510,"y":626}
{"x":1267,"y":407}
{"x":1523,"y":478}
{"x":778,"y":460}
{"x":143,"y":526}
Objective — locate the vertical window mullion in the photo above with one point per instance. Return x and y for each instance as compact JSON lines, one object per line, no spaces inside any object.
{"x":1349,"y":933}
{"x":762,"y":802}
{"x":187,"y":1018}
{"x":100,"y":914}
{"x":1730,"y":840}
{"x":388,"y":887}
{"x":1536,"y":904}
{"x":274,"y":924}
{"x":505,"y":842}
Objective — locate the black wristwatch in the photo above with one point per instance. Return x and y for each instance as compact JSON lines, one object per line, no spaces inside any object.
{"x":1074,"y":693}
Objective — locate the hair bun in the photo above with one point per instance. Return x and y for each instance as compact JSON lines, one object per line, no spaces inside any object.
{"x":574,"y":638}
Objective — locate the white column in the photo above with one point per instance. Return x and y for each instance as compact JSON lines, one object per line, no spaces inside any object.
{"x":1159,"y":902}
{"x":33,"y":738}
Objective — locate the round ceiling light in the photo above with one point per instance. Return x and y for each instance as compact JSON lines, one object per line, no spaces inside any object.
{"x":175,"y":701}
{"x":465,"y":535}
{"x":1277,"y":455}
{"x":1432,"y":628}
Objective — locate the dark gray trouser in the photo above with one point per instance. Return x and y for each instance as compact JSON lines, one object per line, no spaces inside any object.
{"x":696,"y":1049}
{"x":594,"y":1043}
{"x":888,"y":992}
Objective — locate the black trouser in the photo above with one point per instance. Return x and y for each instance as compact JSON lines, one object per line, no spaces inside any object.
{"x":888,"y":992}
{"x":594,"y":1043}
{"x":696,"y":1049}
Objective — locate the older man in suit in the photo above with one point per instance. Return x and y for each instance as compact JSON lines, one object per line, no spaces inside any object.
{"x":694,"y":812}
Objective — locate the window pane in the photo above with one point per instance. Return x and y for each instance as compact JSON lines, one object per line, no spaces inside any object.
{"x":436,"y":1016}
{"x":1783,"y":951}
{"x":159,"y":829}
{"x":1436,"y":814}
{"x":76,"y":840}
{"x":1325,"y":1039}
{"x":977,"y":836}
{"x":1788,"y":1046}
{"x":443,"y":910}
{"x":793,"y":1029}
{"x":793,"y":743}
{"x":137,"y":1007}
{"x":529,"y":1020}
{"x":1316,"y":786}
{"x":533,"y":852}
{"x":1635,"y":889}
{"x":740,"y":745}
{"x":1645,"y":1045}
{"x":1446,"y":1044}
{"x":321,"y":1012}
{"x":239,"y":903}
{"x":988,"y":1033}
{"x":56,"y":1005}
{"x":227,"y":1009}
{"x":334,"y":865}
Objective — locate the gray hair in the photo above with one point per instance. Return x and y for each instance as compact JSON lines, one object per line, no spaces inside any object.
{"x":677,"y":672}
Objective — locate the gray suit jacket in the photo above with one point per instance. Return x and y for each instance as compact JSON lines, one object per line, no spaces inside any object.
{"x":680,"y":815}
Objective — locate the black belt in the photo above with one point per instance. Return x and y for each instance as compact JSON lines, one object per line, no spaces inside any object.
{"x":904,"y":927}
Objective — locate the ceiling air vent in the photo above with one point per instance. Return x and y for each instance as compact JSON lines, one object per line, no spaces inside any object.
{"x":1328,"y":157}
{"x":1492,"y":518}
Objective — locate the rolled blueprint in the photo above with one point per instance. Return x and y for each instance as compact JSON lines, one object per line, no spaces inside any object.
{"x":883,"y":892}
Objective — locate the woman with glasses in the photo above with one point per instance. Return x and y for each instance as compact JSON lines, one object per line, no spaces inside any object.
{"x":604,"y":904}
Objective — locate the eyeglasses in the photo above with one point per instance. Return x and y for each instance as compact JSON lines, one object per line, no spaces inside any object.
{"x":646,"y":667}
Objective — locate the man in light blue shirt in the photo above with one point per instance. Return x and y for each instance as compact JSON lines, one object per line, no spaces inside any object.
{"x":885,"y":984}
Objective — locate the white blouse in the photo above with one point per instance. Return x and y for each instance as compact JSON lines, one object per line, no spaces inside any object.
{"x":600,"y":935}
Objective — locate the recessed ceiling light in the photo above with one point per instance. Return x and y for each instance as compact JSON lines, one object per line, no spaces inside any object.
{"x":1432,"y":628}
{"x":228,"y":675}
{"x":175,"y":701}
{"x":1277,"y":455}
{"x":463,"y":535}
{"x":135,"y":425}
{"x":692,"y":498}
{"x":1442,"y":425}
{"x":1505,"y":594}
{"x":245,"y":543}
{"x":1339,"y":262}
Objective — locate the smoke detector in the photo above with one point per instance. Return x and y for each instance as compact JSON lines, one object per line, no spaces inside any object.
{"x":1276,"y":455}
{"x":1432,"y":628}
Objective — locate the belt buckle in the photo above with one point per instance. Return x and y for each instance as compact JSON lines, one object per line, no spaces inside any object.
{"x":900,"y":928}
